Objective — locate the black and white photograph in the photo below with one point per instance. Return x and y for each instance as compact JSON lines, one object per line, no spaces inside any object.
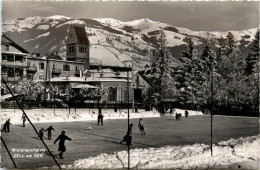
{"x":130,"y":85}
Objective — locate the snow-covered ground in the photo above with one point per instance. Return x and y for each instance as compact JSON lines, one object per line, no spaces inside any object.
{"x":64,"y":115}
{"x":195,"y":156}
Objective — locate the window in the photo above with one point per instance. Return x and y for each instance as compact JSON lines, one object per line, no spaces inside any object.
{"x":7,"y":48}
{"x":41,"y":65}
{"x":66,"y":67}
{"x":126,"y":94}
{"x":4,"y":72}
{"x":41,"y":77}
{"x":83,"y":49}
{"x":28,"y":63}
{"x":71,"y":49}
{"x":11,"y":73}
{"x":4,"y":57}
{"x":137,"y":81}
{"x":112,"y":94}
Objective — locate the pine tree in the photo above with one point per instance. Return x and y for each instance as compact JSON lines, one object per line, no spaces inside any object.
{"x":161,"y":69}
{"x":252,"y":60}
{"x":185,"y":75}
{"x":205,"y":70}
{"x":252,"y":72}
{"x":230,"y":86}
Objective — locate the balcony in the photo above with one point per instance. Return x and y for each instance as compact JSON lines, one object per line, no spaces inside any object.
{"x":12,"y":79}
{"x":32,"y":69}
{"x":13,"y":64}
{"x":56,"y":71}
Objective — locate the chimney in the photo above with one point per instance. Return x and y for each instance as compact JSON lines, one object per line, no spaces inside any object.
{"x":33,"y":55}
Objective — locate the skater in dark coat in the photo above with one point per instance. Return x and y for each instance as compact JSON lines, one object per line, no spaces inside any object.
{"x":186,"y":113}
{"x":62,"y":147}
{"x":128,"y":138}
{"x":24,"y":120}
{"x":41,"y":131}
{"x":7,"y":126}
{"x":49,"y":129}
{"x":141,"y":126}
{"x":100,"y":117}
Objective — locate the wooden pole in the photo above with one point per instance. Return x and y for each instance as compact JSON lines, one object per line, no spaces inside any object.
{"x":211,"y":116}
{"x":128,"y":106}
{"x":8,"y":152}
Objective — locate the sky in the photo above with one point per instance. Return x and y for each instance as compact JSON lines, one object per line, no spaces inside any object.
{"x":199,"y":16}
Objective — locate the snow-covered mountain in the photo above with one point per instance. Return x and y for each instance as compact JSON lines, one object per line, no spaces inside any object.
{"x":112,"y":41}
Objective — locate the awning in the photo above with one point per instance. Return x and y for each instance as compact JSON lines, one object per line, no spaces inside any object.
{"x":7,"y":96}
{"x":84,"y":86}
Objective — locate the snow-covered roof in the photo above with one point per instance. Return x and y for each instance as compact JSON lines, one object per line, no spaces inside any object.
{"x":17,"y":53}
{"x":7,"y":96}
{"x":83,"y":79}
{"x":81,"y":86}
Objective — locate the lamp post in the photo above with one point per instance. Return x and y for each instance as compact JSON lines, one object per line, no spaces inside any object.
{"x":133,"y":94}
{"x":212,"y":107}
{"x":211,"y":116}
{"x":128,"y":146}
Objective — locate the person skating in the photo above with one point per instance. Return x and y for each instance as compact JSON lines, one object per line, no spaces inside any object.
{"x":100,"y":117}
{"x":136,"y":109}
{"x":186,"y":113}
{"x":62,"y":137}
{"x":49,"y":129}
{"x":6,"y":126}
{"x":128,"y":138}
{"x":24,"y":120}
{"x":41,"y":131}
{"x":141,"y":126}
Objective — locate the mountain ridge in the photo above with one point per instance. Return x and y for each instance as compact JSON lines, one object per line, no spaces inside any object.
{"x":111,"y":38}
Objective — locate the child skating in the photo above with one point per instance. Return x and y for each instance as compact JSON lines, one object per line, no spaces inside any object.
{"x":141,"y":126}
{"x":24,"y":120}
{"x":41,"y":131}
{"x":49,"y":129}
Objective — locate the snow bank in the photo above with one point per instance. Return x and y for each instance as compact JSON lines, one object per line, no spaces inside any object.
{"x":191,"y":112}
{"x":177,"y":157}
{"x":64,"y":115}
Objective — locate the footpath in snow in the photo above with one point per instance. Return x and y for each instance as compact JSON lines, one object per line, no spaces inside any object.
{"x":64,"y":115}
{"x":197,"y":156}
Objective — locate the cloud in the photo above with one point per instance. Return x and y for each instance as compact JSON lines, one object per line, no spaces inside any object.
{"x":40,"y":7}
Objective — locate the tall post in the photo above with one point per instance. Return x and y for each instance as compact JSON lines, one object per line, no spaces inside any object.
{"x":211,"y":117}
{"x":8,"y":151}
{"x":133,"y":94}
{"x":128,"y":146}
{"x":45,"y":78}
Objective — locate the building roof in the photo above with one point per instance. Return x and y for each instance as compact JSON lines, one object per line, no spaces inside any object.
{"x":82,"y":86}
{"x":55,"y":57}
{"x":7,"y":41}
{"x":146,"y":79}
{"x":17,"y":53}
{"x":83,"y":79}
{"x":81,"y":35}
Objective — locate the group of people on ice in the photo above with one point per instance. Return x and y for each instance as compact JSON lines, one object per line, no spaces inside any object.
{"x":61,"y":138}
